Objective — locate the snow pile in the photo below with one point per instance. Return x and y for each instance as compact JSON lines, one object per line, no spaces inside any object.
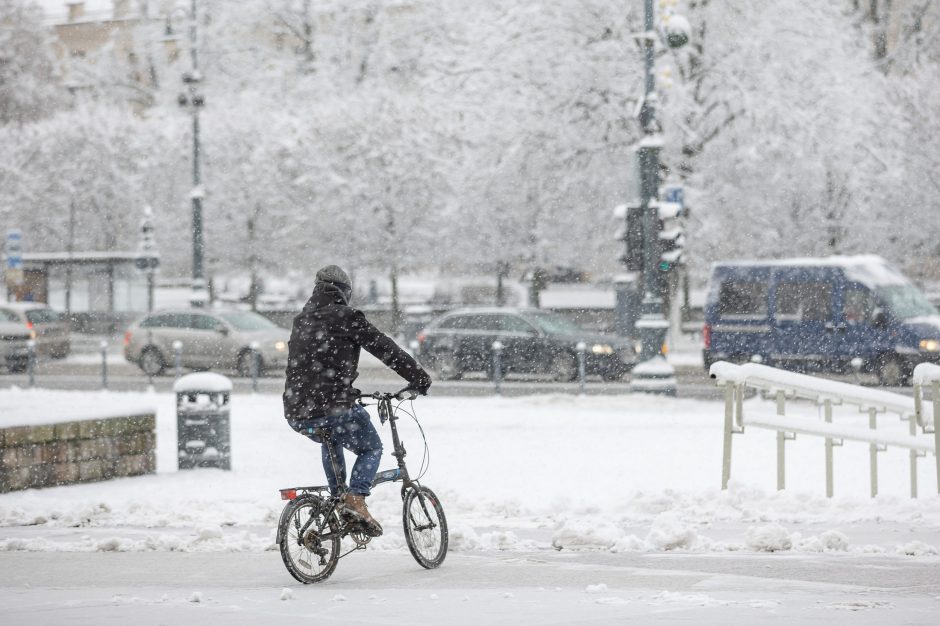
{"x":669,"y":533}
{"x":768,"y":538}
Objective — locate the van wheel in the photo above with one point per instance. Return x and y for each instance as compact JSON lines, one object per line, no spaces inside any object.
{"x":151,"y":362}
{"x":891,"y":373}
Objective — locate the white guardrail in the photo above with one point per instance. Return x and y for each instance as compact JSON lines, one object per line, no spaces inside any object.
{"x":781,"y":386}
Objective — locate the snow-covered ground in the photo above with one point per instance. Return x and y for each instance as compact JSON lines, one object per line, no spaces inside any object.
{"x":556,"y":504}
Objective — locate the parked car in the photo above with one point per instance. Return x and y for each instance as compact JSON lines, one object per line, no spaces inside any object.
{"x":14,"y":338}
{"x":534,"y":341}
{"x":49,"y":328}
{"x":211,"y":339}
{"x":821,"y":315}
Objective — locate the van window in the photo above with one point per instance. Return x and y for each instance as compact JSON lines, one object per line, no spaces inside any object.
{"x":742,"y":300}
{"x":857,"y":305}
{"x":804,"y":301}
{"x":906,"y":301}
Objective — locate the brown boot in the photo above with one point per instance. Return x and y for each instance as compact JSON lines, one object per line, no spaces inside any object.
{"x":356,"y":504}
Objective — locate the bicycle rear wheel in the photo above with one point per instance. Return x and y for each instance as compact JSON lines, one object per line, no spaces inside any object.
{"x":312,"y":557}
{"x":425,"y":527}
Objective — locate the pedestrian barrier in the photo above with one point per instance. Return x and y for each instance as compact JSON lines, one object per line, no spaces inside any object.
{"x":781,"y":386}
{"x":927,"y":378}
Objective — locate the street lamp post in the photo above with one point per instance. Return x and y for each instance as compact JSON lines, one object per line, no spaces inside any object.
{"x":652,"y":373}
{"x":148,"y":259}
{"x":194,"y":101}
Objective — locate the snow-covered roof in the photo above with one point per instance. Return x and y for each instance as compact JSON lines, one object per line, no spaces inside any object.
{"x":868,"y":269}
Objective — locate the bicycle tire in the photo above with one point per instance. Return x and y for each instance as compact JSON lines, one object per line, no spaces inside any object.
{"x":302,"y":563}
{"x":427,"y":538}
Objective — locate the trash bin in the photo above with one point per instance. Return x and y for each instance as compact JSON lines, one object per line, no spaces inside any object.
{"x":202,"y":421}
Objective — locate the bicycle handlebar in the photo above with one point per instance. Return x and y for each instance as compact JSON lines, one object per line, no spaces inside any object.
{"x":402,"y":394}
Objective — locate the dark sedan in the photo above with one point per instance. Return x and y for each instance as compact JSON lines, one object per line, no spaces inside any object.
{"x":533,"y":342}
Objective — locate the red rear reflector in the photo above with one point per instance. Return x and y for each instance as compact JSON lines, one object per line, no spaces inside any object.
{"x":707,"y":335}
{"x":288,"y":494}
{"x":127,"y":337}
{"x":29,"y":325}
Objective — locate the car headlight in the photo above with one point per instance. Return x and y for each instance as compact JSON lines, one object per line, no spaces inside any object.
{"x":930,"y":345}
{"x":280,"y":346}
{"x":602,"y":348}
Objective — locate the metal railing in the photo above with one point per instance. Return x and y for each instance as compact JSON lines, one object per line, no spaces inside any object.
{"x":781,"y":386}
{"x":927,"y":377}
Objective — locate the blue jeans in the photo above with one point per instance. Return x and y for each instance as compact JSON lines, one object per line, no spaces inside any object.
{"x":354,"y":431}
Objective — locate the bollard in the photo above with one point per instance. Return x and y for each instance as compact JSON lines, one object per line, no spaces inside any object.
{"x":178,"y":357}
{"x":31,"y":361}
{"x":497,"y":366}
{"x":104,"y":364}
{"x":582,"y":349}
{"x":857,"y":364}
{"x":255,"y":365}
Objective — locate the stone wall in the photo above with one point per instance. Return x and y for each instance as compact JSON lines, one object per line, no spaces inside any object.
{"x":79,"y":451}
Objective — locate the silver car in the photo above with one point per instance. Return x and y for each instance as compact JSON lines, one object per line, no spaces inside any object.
{"x":14,"y":338}
{"x":49,"y":328}
{"x":209,"y":339}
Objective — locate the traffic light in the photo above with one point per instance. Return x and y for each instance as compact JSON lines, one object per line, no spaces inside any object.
{"x":630,"y":232}
{"x":671,"y":235}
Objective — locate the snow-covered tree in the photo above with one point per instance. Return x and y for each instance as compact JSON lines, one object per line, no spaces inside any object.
{"x":28,"y":88}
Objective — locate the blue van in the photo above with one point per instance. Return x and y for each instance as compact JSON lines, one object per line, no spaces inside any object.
{"x":820,"y":315}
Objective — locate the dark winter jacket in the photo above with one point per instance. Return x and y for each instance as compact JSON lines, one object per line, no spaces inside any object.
{"x":323,"y":356}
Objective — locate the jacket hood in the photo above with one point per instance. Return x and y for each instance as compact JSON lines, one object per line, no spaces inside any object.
{"x":323,"y":295}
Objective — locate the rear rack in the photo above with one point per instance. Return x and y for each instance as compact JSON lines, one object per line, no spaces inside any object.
{"x":290,"y":493}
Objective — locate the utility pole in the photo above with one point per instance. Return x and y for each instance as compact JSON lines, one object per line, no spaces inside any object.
{"x":252,"y":263}
{"x":652,"y":374}
{"x":68,"y":266}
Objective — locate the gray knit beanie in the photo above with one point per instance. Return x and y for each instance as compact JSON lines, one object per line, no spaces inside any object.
{"x":333,"y":274}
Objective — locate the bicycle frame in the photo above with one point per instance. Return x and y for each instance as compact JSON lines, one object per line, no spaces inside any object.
{"x":386,"y":413}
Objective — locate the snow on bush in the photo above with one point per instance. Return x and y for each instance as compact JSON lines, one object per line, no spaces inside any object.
{"x":668,"y":532}
{"x":768,"y":538}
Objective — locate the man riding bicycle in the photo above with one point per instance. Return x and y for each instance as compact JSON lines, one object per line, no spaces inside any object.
{"x":322,"y":364}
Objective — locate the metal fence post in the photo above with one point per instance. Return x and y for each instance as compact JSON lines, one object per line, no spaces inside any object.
{"x":581,"y":348}
{"x":781,"y":445}
{"x":178,"y":357}
{"x":255,"y":365}
{"x":935,"y":392}
{"x":914,"y":454}
{"x":729,"y":423}
{"x":873,"y":453}
{"x":104,"y":364}
{"x":497,"y":366}
{"x":31,"y":361}
{"x":827,"y":408}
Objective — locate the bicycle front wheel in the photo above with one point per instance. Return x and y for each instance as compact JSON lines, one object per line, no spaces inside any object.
{"x":425,"y":527}
{"x":310,"y":550}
